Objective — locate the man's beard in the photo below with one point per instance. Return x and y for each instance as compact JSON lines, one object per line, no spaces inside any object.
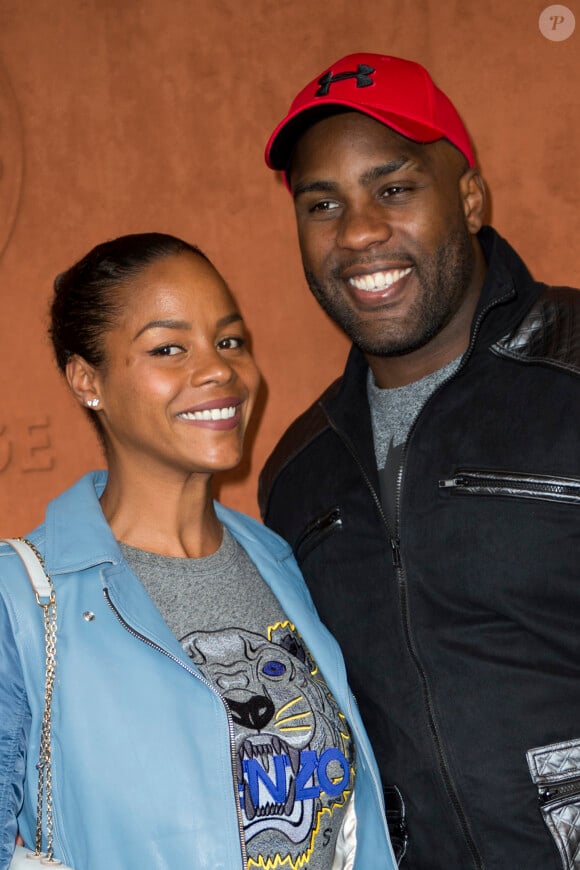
{"x":443,"y":278}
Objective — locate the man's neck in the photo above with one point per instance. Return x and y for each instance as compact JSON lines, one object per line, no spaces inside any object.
{"x":399,"y":371}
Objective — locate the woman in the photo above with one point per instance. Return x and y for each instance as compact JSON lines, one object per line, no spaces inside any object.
{"x":201,"y":716}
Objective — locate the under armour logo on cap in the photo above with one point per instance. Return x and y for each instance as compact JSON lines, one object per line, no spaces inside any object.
{"x":403,"y":97}
{"x":362,"y":76}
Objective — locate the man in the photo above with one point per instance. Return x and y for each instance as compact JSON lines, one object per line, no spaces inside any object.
{"x":432,"y":494}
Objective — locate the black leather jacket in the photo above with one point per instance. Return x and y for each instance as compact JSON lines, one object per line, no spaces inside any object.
{"x":461,"y":625}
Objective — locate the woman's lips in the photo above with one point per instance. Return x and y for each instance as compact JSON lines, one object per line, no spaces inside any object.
{"x":214,"y":414}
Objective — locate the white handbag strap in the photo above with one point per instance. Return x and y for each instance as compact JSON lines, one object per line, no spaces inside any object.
{"x":34,"y":569}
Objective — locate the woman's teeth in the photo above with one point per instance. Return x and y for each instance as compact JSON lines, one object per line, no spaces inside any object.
{"x":210,"y":414}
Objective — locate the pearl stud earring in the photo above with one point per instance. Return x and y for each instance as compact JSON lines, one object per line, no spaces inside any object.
{"x":92,"y":403}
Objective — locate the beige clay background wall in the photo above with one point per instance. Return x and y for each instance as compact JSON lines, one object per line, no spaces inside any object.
{"x":130,"y":115}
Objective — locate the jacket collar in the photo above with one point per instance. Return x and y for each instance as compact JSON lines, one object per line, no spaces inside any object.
{"x":76,"y":534}
{"x":347,"y":409}
{"x":508,"y":291}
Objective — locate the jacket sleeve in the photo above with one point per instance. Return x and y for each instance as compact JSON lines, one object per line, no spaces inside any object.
{"x":14,"y":732}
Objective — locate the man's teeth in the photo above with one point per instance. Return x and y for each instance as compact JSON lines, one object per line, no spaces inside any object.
{"x":210,"y":414}
{"x":378,"y":280}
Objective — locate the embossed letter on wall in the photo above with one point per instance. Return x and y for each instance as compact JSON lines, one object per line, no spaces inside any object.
{"x":26,"y":445}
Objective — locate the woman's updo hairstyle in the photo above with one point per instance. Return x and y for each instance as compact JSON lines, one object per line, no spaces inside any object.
{"x":86,"y":300}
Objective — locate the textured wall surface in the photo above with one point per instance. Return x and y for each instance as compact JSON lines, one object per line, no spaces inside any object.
{"x":143,"y":115}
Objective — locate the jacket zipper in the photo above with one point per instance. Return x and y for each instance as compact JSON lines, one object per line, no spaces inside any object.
{"x":205,"y":682}
{"x":395,"y":542}
{"x":553,"y":794}
{"x":514,"y":484}
{"x":400,"y":568}
{"x":401,"y":575}
{"x":319,"y":528}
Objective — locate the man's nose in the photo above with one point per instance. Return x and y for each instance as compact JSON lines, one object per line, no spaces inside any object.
{"x":363,"y":226}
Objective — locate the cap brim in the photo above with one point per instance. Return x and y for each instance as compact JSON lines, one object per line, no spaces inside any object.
{"x":284,"y":138}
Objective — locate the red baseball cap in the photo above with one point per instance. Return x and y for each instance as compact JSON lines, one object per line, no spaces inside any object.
{"x":399,"y":93}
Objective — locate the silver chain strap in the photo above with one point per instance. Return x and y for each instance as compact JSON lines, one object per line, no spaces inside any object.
{"x":44,"y":766}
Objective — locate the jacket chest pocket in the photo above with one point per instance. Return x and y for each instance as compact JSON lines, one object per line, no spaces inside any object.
{"x":555,"y":770}
{"x":513,"y":485}
{"x":324,"y":525}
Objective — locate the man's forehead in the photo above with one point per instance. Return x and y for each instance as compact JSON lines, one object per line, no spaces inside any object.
{"x":351,"y":133}
{"x":346,"y":134}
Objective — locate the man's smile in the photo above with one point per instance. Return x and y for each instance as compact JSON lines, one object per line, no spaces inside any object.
{"x":377,"y":281}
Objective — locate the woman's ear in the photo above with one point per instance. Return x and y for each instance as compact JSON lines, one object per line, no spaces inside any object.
{"x":82,"y":380}
{"x":472,"y":192}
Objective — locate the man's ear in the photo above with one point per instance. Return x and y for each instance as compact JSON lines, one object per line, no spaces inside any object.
{"x":472,"y":192}
{"x":83,"y":381}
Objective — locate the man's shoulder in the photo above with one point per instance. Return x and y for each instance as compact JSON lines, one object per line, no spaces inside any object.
{"x":549,"y":334}
{"x":300,"y":435}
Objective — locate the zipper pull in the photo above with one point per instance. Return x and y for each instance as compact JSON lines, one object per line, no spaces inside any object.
{"x":453,"y":481}
{"x":396,"y":551}
{"x":568,"y":789}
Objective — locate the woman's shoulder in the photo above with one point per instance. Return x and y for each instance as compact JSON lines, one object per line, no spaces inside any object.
{"x":69,"y":503}
{"x":9,"y":557}
{"x":244,"y":526}
{"x":12,"y":570}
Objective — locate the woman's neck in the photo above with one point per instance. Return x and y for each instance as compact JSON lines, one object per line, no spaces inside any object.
{"x":172,"y":517}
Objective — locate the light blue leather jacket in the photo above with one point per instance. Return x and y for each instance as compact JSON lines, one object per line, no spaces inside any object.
{"x":142,"y":753}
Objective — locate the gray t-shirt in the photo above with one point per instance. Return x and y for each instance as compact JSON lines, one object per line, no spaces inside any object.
{"x":296,"y":758}
{"x":393,"y":412}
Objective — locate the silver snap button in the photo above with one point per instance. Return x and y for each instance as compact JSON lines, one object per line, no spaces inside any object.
{"x":88,"y":615}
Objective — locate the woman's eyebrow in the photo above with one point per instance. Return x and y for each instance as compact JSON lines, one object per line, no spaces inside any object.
{"x":185,"y":324}
{"x":229,"y":318}
{"x":163,"y":324}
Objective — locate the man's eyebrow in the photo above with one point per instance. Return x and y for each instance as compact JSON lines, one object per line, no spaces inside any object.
{"x":185,"y":324}
{"x":384,"y":169}
{"x":365,"y":179}
{"x":314,"y":187}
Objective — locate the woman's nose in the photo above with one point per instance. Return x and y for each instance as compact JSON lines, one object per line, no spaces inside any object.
{"x":210,"y":366}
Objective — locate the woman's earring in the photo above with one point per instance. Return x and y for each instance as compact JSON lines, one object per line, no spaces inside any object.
{"x":93,"y":403}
